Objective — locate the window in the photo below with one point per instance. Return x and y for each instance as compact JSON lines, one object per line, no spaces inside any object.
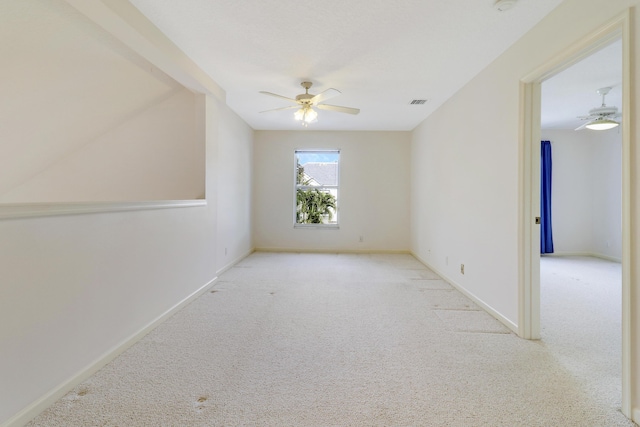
{"x":316,"y":188}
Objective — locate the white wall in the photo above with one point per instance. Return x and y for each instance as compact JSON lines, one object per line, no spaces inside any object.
{"x":586,"y":192}
{"x":572,"y":191}
{"x":234,"y":191}
{"x":464,"y":192}
{"x":154,"y":155}
{"x":607,"y":200}
{"x":465,"y":169}
{"x":85,"y":118}
{"x":75,"y":289}
{"x":374,"y":191}
{"x":465,"y":162}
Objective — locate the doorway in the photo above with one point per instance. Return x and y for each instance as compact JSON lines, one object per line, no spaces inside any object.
{"x":529,"y":325}
{"x":580,"y":290}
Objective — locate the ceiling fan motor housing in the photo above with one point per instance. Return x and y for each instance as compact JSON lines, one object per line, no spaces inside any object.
{"x":603,"y":111}
{"x":304,"y":98}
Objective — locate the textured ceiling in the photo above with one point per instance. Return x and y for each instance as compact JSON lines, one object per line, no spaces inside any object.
{"x":380,"y":53}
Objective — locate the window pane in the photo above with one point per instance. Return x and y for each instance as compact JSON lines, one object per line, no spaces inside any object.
{"x":317,"y":168}
{"x":317,"y":187}
{"x":316,"y":206}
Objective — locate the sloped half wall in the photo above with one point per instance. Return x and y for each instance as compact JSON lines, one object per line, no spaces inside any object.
{"x":86,"y":119}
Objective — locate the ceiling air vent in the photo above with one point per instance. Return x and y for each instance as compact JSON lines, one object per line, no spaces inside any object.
{"x":418,"y":101}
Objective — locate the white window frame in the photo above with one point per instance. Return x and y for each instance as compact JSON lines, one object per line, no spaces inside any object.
{"x":296,"y":187}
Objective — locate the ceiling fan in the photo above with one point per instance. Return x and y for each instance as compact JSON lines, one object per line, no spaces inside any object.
{"x":306,"y":101}
{"x":603,"y":117}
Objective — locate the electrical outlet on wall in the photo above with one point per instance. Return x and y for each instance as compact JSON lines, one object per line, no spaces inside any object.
{"x":462,"y":268}
{"x":361,"y":239}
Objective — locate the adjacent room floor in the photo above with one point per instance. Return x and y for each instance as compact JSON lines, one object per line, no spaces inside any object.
{"x":333,"y":340}
{"x":581,"y":315}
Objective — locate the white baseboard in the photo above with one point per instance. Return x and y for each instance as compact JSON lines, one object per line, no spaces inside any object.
{"x":590,"y":254}
{"x":608,"y":258}
{"x":635,"y":415}
{"x":333,"y":251}
{"x":486,"y":307}
{"x":35,"y":408}
{"x":235,"y":261}
{"x":574,"y":253}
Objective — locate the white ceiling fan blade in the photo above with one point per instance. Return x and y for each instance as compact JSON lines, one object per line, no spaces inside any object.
{"x":279,"y":96}
{"x":339,"y":109}
{"x":280,"y":109}
{"x":584,"y":125}
{"x":323,"y":96}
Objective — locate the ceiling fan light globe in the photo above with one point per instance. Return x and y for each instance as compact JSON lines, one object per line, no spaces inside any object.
{"x":602,"y":124}
{"x":299,"y":115}
{"x":311,"y":116}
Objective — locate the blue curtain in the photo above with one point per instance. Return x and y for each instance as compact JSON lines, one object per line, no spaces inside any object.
{"x":546,"y":234}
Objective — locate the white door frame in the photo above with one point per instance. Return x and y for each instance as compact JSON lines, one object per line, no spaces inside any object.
{"x":529,"y":186}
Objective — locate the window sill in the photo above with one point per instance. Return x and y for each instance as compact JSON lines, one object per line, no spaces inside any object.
{"x":31,"y":210}
{"x":317,"y":226}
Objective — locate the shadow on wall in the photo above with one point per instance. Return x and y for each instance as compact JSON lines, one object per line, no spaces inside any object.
{"x":85,"y":119}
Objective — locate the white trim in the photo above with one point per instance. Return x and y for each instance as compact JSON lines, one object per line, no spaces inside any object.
{"x":486,"y":307}
{"x":629,"y":374}
{"x":30,"y":210}
{"x":529,"y":209}
{"x":529,"y":286}
{"x":35,"y":408}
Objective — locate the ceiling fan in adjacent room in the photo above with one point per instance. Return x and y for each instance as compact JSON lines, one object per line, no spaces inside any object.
{"x":603,"y":117}
{"x":305,"y":102}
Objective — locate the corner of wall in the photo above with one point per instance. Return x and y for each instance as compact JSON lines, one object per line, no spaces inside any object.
{"x":486,"y":307}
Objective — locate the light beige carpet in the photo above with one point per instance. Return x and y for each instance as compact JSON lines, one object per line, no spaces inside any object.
{"x":332,"y":340}
{"x":581,"y":315}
